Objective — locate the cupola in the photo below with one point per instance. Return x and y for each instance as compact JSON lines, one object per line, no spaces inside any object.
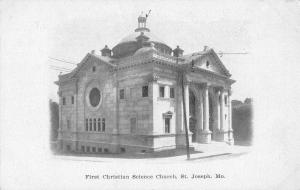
{"x":178,"y":52}
{"x":106,"y":51}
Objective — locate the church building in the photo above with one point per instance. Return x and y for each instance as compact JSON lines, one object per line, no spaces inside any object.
{"x":129,"y":98}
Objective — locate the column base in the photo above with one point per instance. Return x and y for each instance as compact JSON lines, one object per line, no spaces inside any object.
{"x":204,"y":137}
{"x":181,"y":139}
{"x":222,"y":136}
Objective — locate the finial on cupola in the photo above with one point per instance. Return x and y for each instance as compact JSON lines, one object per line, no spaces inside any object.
{"x":142,"y":20}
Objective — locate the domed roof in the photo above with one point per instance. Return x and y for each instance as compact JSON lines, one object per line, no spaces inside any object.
{"x":134,"y":41}
{"x":145,"y":49}
{"x":132,"y":37}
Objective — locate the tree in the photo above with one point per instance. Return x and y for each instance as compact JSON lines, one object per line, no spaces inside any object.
{"x":54,"y":120}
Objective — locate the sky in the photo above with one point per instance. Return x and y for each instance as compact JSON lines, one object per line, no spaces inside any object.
{"x":76,"y":28}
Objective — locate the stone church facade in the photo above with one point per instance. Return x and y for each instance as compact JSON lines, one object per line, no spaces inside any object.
{"x":129,"y":99}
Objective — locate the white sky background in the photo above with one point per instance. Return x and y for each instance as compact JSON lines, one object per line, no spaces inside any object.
{"x":77,"y":28}
{"x":33,"y":30}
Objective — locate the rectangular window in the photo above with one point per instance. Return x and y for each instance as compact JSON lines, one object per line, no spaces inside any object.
{"x":167,"y":125}
{"x":161,"y":91}
{"x":122,"y":94}
{"x":86,"y":124}
{"x":99,"y":124}
{"x":94,"y":68}
{"x":88,"y":149}
{"x":106,"y":150}
{"x":95,"y":122}
{"x":72,"y":99}
{"x":91,"y":124}
{"x":145,"y":91}
{"x":103,"y":124}
{"x":64,"y":101}
{"x":82,"y":149}
{"x":94,"y":149}
{"x":172,"y":93}
{"x":99,"y":149}
{"x":123,"y":149}
{"x":132,"y":125}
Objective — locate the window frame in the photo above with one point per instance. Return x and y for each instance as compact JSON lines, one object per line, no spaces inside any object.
{"x":103,"y":125}
{"x":133,"y":129}
{"x":99,"y":125}
{"x":145,"y":91}
{"x":91,"y":124}
{"x":172,"y":89}
{"x":64,"y":102}
{"x":161,"y":91}
{"x":167,"y":130}
{"x":122,"y":94}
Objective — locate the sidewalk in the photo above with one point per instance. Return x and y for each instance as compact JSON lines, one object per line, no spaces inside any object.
{"x":202,"y":151}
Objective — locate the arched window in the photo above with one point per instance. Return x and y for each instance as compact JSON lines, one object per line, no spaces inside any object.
{"x":99,"y":124}
{"x":91,"y":124}
{"x":103,"y":124}
{"x":95,"y":124}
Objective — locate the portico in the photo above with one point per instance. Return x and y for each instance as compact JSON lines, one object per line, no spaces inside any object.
{"x":211,"y":113}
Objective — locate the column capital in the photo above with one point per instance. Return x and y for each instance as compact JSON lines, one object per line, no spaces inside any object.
{"x":187,"y":81}
{"x":219,"y":89}
{"x":204,"y":85}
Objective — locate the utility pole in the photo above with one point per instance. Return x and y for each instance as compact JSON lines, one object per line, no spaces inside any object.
{"x":184,"y":116}
{"x":178,"y":52}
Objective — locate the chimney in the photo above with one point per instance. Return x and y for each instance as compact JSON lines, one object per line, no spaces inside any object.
{"x":205,"y":48}
{"x":93,"y":52}
{"x":177,"y":52}
{"x":106,"y":51}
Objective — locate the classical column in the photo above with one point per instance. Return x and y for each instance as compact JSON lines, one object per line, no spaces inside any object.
{"x":218,"y":110}
{"x":230,"y":130}
{"x":206,"y":108}
{"x":205,"y":133}
{"x":222,"y":122}
{"x":222,"y":134}
{"x":187,"y":104}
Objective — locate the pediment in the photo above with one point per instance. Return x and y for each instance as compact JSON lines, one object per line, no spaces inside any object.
{"x":211,"y":62}
{"x":87,"y":64}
